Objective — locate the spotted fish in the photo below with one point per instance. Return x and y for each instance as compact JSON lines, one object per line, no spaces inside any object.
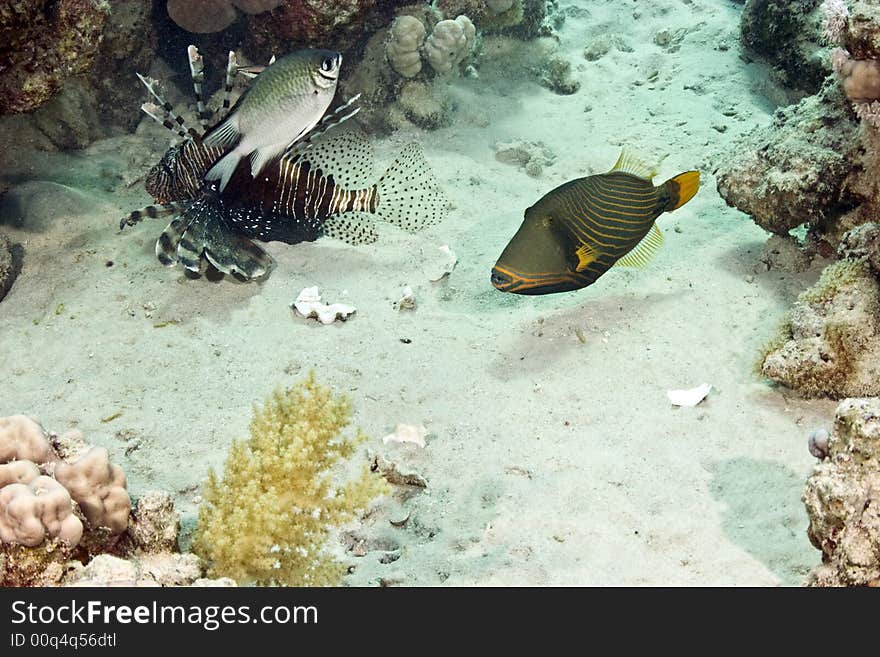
{"x":578,"y":231}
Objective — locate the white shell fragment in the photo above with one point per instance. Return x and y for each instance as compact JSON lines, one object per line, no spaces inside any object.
{"x":690,"y":397}
{"x":445,"y":266}
{"x":407,"y":433}
{"x":308,"y":304}
{"x":407,"y":301}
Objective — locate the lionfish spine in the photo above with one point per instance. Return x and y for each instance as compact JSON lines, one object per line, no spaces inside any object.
{"x":197,"y":73}
{"x":231,"y":68}
{"x":160,"y":116}
{"x":153,"y":211}
{"x":151,"y":84}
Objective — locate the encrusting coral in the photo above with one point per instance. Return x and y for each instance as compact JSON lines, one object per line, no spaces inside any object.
{"x":831,"y":341}
{"x":842,"y":498}
{"x":267,"y":518}
{"x":44,"y":43}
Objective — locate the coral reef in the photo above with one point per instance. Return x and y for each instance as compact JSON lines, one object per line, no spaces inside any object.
{"x":787,"y":34}
{"x":802,"y":168}
{"x":450,"y":42}
{"x":405,"y":39}
{"x":317,"y":23}
{"x":206,"y":16}
{"x":267,"y":519}
{"x":525,"y":18}
{"x":42,"y":44}
{"x":65,"y":518}
{"x":842,"y":498}
{"x":831,"y":341}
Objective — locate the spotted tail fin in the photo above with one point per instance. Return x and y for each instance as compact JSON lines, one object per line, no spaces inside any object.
{"x":408,"y":193}
{"x":200,"y":231}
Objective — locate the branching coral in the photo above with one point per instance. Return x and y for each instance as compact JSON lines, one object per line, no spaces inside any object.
{"x":267,"y":518}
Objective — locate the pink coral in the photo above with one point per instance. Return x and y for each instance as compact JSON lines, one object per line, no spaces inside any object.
{"x":836,"y":17}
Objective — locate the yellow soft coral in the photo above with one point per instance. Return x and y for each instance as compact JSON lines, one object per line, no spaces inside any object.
{"x":267,"y":519}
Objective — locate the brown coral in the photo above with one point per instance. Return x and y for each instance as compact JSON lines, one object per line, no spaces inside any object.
{"x":33,"y":513}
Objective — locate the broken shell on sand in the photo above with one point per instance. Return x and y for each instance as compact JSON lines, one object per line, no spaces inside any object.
{"x":690,"y":397}
{"x":308,"y":304}
{"x":407,"y":433}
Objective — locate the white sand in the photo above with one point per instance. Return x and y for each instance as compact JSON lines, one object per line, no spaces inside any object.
{"x":549,"y":460}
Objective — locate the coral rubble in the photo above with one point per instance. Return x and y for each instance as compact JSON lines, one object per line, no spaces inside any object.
{"x":267,"y":518}
{"x":42,"y":44}
{"x":842,"y":498}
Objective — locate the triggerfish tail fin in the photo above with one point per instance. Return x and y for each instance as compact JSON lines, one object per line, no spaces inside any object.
{"x":408,"y":193}
{"x":201,"y":231}
{"x":681,"y":189}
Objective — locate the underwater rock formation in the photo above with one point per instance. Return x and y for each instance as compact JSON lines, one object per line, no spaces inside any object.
{"x":787,"y":34}
{"x":42,"y":44}
{"x":842,"y":498}
{"x":830,"y":345}
{"x":317,"y":23}
{"x":802,"y":168}
{"x":9,"y":265}
{"x":267,"y":518}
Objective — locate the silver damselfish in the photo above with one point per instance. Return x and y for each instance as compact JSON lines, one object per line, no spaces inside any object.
{"x":284,"y":103}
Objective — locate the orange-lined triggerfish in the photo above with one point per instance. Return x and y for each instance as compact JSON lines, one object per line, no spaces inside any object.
{"x":578,"y":231}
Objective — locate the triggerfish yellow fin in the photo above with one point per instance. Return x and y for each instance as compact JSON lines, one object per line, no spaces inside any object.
{"x":682,"y":188}
{"x":642,"y":253}
{"x":585,"y":255}
{"x":632,"y":164}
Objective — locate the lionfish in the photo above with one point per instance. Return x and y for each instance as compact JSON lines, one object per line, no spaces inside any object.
{"x":318,"y":186}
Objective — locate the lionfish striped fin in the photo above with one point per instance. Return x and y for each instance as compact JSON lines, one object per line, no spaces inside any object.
{"x":197,"y":73}
{"x":200,"y":231}
{"x":347,"y":155}
{"x":152,"y":211}
{"x":642,"y":253}
{"x":340,"y":115}
{"x":166,"y":245}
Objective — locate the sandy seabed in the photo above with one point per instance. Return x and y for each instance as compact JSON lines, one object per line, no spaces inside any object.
{"x":553,"y":455}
